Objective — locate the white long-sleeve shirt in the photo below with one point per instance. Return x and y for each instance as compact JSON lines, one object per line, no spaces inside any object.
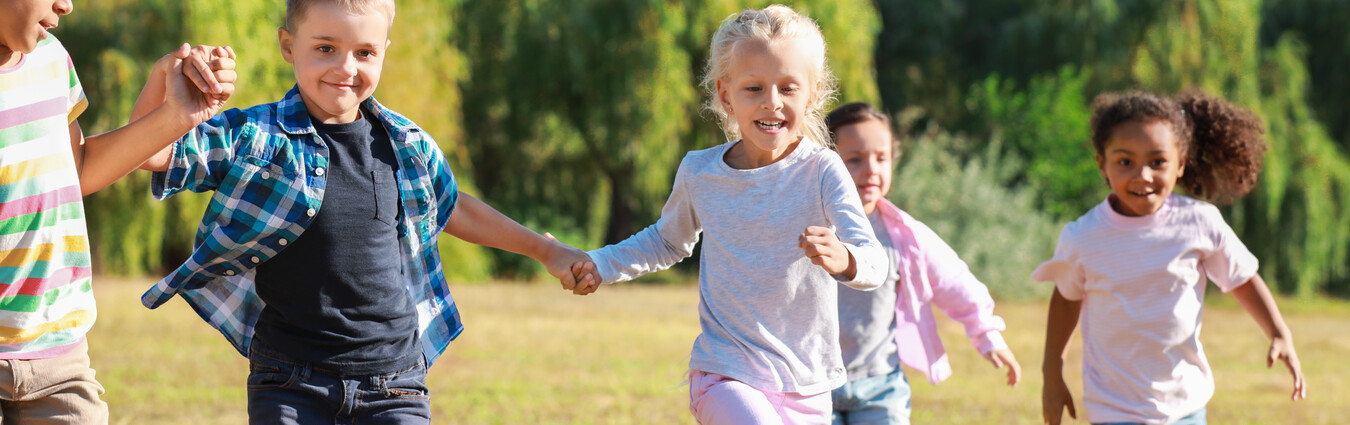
{"x":769,"y":317}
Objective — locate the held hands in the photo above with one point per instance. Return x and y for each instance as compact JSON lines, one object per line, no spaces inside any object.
{"x":198,"y":80}
{"x":573,"y":268}
{"x":1283,"y":350}
{"x":825,"y":250}
{"x":1004,"y":357}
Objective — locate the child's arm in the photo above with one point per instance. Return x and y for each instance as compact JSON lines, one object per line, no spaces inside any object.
{"x":105,"y":158}
{"x":1256,"y":299}
{"x":198,"y":67}
{"x":478,"y":223}
{"x":1059,"y":326}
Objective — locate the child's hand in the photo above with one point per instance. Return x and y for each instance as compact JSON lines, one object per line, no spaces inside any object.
{"x":824,"y":249}
{"x":1004,"y":357}
{"x":1283,"y":350}
{"x":1055,"y":397}
{"x":573,"y":267}
{"x":198,"y":80}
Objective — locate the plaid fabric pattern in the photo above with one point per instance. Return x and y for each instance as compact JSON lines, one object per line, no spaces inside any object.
{"x":266,"y":165}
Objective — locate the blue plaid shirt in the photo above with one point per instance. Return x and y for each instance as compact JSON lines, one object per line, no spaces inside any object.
{"x":266,"y":165}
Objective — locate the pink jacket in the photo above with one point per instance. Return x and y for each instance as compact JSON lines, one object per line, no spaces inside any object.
{"x":931,"y":272}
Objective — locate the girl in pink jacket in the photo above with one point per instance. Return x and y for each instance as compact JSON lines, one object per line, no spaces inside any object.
{"x":879,"y":330}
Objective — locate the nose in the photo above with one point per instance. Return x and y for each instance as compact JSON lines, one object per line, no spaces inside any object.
{"x":63,"y":7}
{"x":773,"y":101}
{"x":348,"y":66}
{"x":1144,"y":174}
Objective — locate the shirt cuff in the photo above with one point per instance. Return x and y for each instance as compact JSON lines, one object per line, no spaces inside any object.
{"x":989,"y":341}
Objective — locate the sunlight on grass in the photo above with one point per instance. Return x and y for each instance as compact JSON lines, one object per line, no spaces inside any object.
{"x":534,"y":354}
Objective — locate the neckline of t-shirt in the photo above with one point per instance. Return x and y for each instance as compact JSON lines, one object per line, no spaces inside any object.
{"x":797,"y":154}
{"x":23,"y":58}
{"x":1117,"y":219}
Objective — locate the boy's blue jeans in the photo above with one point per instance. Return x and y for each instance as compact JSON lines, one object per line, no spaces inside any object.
{"x":1197,"y":418}
{"x":285,"y":392}
{"x":878,"y":400}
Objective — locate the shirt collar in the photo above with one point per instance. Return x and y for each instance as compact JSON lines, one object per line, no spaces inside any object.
{"x":295,"y":118}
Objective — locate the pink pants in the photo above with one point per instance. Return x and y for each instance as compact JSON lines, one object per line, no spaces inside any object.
{"x":718,"y":400}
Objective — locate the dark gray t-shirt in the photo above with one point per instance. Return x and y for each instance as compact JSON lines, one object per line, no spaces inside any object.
{"x":335,"y":296}
{"x":867,"y":319}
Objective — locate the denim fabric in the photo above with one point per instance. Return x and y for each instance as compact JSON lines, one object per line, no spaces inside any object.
{"x":878,"y":400}
{"x":285,"y":392}
{"x":1197,"y":418}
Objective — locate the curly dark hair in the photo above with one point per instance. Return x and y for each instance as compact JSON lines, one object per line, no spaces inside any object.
{"x":854,"y":113}
{"x":1221,"y":142}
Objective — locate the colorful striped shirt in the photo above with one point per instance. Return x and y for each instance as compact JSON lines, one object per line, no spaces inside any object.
{"x":267,"y":165}
{"x":46,"y":301}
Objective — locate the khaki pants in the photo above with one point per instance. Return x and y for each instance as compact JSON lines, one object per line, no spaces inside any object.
{"x":60,"y":390}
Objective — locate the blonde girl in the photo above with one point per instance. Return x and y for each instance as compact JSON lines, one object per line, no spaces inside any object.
{"x":1134,"y":267}
{"x":782,"y":227}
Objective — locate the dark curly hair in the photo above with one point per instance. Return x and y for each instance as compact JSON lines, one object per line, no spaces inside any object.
{"x":1221,"y":142}
{"x":854,"y":113}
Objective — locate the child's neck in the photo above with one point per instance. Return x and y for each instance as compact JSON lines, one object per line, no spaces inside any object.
{"x":9,"y":57}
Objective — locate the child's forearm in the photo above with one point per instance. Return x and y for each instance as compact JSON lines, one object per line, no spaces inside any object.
{"x":478,"y":223}
{"x":1059,"y":326}
{"x":1255,"y":297}
{"x":110,"y":156}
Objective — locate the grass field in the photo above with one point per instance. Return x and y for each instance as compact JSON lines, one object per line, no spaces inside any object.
{"x":533,"y":354}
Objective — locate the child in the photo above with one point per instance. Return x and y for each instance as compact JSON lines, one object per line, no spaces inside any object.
{"x":879,"y":330}
{"x":46,"y":165}
{"x":317,"y":255}
{"x":772,"y":204}
{"x":1135,"y":265}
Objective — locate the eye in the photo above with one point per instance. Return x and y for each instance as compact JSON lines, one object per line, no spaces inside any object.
{"x":1124,"y":162}
{"x":325,"y":49}
{"x":853,"y":160}
{"x":754,"y":89}
{"x":1158,"y":163}
{"x":366,"y":53}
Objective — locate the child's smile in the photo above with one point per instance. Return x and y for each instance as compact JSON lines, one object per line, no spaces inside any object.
{"x":337,"y":55}
{"x":1141,"y":163}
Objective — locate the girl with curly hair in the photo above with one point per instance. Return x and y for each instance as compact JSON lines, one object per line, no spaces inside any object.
{"x":1134,"y":267}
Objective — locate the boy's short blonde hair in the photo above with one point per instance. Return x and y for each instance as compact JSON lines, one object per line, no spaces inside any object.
{"x":776,"y":22}
{"x":296,"y":9}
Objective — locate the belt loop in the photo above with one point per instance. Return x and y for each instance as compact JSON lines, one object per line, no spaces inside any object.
{"x":306,"y":369}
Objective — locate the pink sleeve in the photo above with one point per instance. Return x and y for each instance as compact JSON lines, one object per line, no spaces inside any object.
{"x":959,"y":294}
{"x":1230,"y":264}
{"x":1063,"y":269}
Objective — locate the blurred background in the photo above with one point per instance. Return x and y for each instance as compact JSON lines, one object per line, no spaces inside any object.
{"x":571,"y":116}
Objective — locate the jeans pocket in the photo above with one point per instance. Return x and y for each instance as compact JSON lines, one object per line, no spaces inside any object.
{"x":268,"y":374}
{"x":408,"y":384}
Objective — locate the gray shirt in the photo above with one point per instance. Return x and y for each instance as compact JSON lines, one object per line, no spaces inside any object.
{"x":867,"y":319}
{"x":769,"y":317}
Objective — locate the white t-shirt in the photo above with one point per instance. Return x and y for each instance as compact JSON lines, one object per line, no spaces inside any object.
{"x":769,"y":316}
{"x":1142,"y":284}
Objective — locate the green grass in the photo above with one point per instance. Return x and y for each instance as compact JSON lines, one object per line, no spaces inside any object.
{"x":533,"y":354}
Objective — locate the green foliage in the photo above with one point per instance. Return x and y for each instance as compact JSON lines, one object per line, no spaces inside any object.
{"x":994,"y":228}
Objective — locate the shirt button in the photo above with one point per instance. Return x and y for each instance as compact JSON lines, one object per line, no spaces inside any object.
{"x":266,"y":175}
{"x":318,"y":171}
{"x":282,"y":242}
{"x":229,"y":272}
{"x":311,"y":212}
{"x":255,"y":260}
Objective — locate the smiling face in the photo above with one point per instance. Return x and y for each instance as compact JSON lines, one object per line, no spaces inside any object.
{"x":767,"y":90}
{"x":1141,"y":162}
{"x":337,"y":55}
{"x":865,"y":147}
{"x":25,"y":23}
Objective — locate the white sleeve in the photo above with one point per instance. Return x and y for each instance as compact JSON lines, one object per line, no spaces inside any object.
{"x":843,"y":208}
{"x":656,"y":247}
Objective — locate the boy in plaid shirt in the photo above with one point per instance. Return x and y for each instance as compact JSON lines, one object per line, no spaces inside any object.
{"x":317,"y":255}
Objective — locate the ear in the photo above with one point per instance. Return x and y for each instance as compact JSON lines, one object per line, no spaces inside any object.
{"x":284,"y":38}
{"x":722,"y":96}
{"x":1101,"y":168}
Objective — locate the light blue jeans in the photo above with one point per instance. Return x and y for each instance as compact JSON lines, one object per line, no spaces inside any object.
{"x":877,"y":400}
{"x":1197,"y":418}
{"x":285,"y":392}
